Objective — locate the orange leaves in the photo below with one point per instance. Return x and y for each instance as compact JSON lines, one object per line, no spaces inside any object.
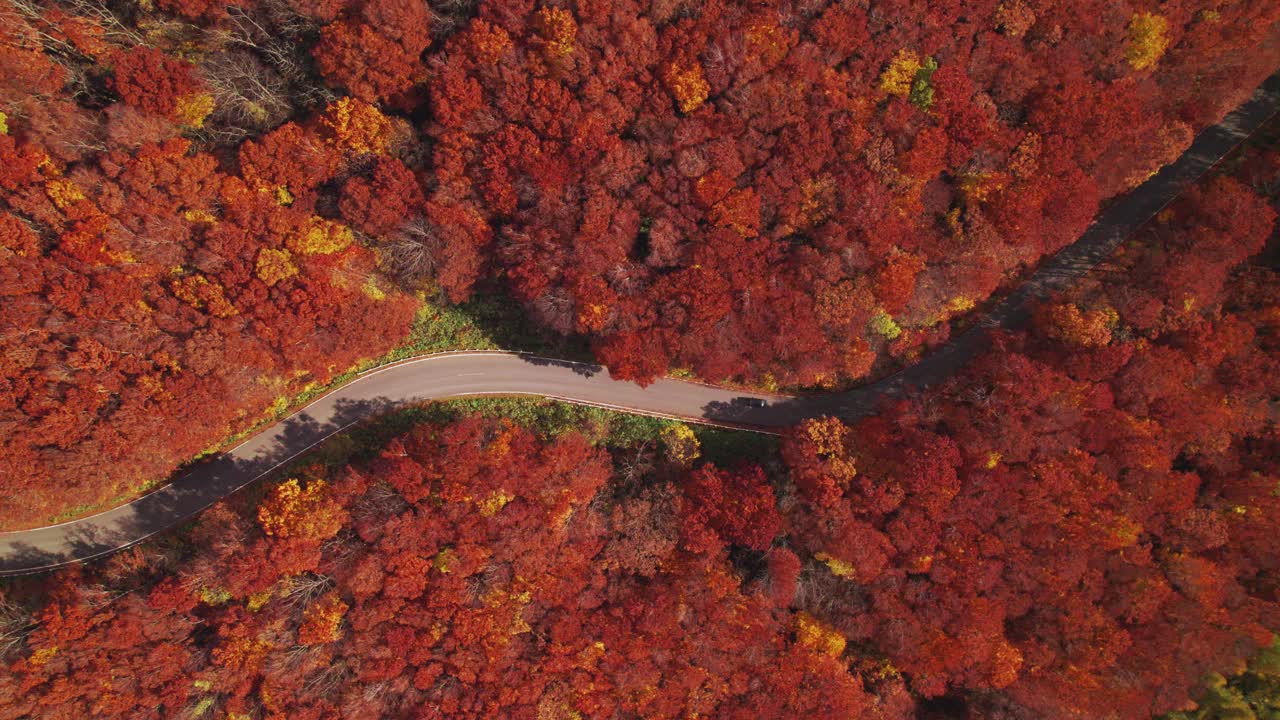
{"x":727,"y":205}
{"x":289,"y":157}
{"x":321,"y":619}
{"x":1091,"y":328}
{"x":356,"y":127}
{"x":386,"y":200}
{"x":895,"y":280}
{"x":291,"y":511}
{"x":487,"y":42}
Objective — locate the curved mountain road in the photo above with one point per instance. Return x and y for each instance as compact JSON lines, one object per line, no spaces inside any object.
{"x":496,"y":373}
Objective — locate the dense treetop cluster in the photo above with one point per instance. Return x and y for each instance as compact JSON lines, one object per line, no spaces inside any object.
{"x":774,"y":192}
{"x":1082,"y":524}
{"x":207,"y":207}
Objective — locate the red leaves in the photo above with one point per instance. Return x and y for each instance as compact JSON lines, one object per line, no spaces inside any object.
{"x":736,"y":506}
{"x":385,"y":200}
{"x":374,"y":53}
{"x":152,"y":81}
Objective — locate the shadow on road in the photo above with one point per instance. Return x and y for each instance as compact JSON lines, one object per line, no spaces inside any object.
{"x":198,"y":486}
{"x":583,"y":369}
{"x":202,"y":484}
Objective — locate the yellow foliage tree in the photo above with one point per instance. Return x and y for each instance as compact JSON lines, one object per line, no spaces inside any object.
{"x":320,"y":236}
{"x":199,"y":291}
{"x":687,"y":85}
{"x":817,"y":636}
{"x":1148,"y":39}
{"x":681,"y":443}
{"x":357,"y":127}
{"x":293,"y":511}
{"x":1087,"y":329}
{"x":558,"y":28}
{"x":901,"y":73}
{"x":274,"y":266}
{"x":828,"y":436}
{"x":192,"y":110}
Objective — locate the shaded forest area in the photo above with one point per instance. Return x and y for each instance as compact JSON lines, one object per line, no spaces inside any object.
{"x":206,"y":208}
{"x":1081,"y":524}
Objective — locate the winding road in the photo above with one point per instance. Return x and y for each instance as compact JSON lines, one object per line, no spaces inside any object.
{"x":460,"y":374}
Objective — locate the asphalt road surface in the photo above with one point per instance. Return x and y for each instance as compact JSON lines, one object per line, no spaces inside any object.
{"x":495,"y":373}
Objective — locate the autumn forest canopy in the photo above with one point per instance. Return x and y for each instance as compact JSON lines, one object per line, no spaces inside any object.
{"x":213,"y":211}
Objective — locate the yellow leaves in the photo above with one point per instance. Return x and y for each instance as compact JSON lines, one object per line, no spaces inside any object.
{"x":812,"y":633}
{"x":63,"y":192}
{"x":827,"y":435}
{"x":558,"y":29}
{"x":213,"y":595}
{"x":681,"y":443}
{"x":320,"y":236}
{"x":199,"y":216}
{"x":920,"y":564}
{"x":443,"y":560}
{"x":356,"y":127}
{"x":838,"y":567}
{"x":898,"y":77}
{"x":687,"y":85}
{"x":284,"y":198}
{"x":4,"y":124}
{"x":192,"y":110}
{"x":372,"y":291}
{"x":198,"y":291}
{"x":42,"y":656}
{"x":960,"y":303}
{"x":154,"y":387}
{"x":258,"y":600}
{"x":321,"y":619}
{"x":274,"y":265}
{"x":292,"y":511}
{"x":993,"y":459}
{"x":1148,"y":39}
{"x":490,"y":506}
{"x":884,"y":325}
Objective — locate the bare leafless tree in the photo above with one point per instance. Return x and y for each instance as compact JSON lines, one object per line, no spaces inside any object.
{"x":301,"y":590}
{"x":413,"y":253}
{"x":15,"y":624}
